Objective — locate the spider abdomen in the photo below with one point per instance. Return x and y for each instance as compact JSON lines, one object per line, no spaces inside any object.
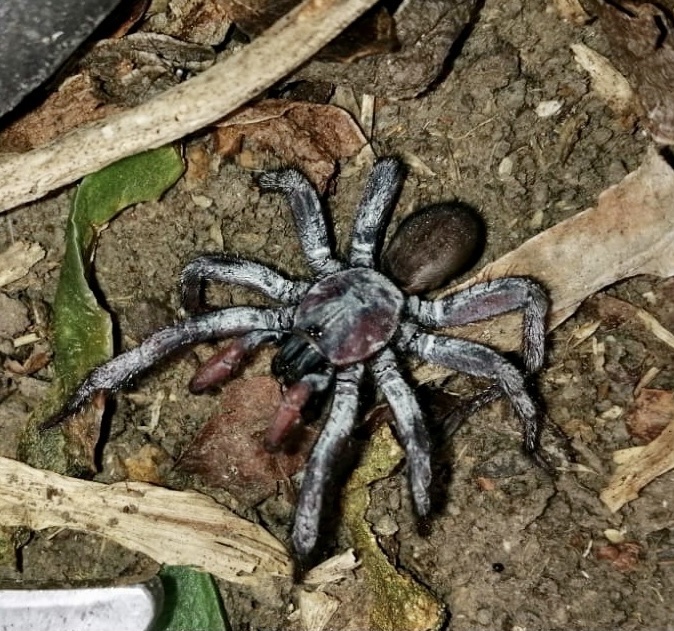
{"x":350,"y":315}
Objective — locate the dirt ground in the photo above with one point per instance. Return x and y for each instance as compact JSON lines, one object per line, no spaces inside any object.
{"x":511,"y":548}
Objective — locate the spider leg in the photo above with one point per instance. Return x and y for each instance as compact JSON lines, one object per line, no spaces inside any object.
{"x":379,"y":198}
{"x":289,"y":414}
{"x":479,"y":361}
{"x":489,"y":299}
{"x":236,"y":271}
{"x":308,"y":215}
{"x":324,"y":458}
{"x":218,"y":324}
{"x":222,"y":366}
{"x":409,"y":424}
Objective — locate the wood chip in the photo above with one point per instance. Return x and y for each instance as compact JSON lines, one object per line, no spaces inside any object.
{"x":643,"y":467}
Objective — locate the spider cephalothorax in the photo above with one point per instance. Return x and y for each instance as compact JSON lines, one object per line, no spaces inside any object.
{"x":348,"y":318}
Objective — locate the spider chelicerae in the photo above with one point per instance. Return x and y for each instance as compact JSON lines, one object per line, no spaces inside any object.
{"x":347,"y":319}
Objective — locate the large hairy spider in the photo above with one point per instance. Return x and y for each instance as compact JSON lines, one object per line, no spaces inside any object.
{"x":348,"y":318}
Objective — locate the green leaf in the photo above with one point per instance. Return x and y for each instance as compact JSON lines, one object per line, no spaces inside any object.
{"x":192,"y":601}
{"x":82,"y":328}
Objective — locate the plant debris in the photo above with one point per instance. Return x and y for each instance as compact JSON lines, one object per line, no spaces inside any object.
{"x":172,"y":527}
{"x":637,"y":467}
{"x":400,"y":602}
{"x":310,"y":136}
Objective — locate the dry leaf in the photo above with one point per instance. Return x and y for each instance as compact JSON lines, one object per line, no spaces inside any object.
{"x":172,"y":527}
{"x":623,"y":556}
{"x":316,"y":609}
{"x":228,"y":451}
{"x":255,"y":16}
{"x":310,"y":136}
{"x":333,"y":569}
{"x":642,"y":47}
{"x":371,"y":34}
{"x":651,"y":412}
{"x":606,"y":80}
{"x":134,"y":11}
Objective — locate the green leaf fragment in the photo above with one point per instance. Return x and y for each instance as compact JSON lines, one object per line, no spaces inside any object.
{"x":192,"y":601}
{"x":82,"y":328}
{"x":400,"y":603}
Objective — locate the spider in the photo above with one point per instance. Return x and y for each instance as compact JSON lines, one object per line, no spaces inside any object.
{"x":347,"y":319}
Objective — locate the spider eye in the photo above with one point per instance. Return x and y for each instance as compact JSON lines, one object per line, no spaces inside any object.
{"x":296,"y":358}
{"x":433,"y":245}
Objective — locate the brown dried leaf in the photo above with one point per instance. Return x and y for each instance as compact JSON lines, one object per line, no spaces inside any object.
{"x":308,"y":135}
{"x":255,"y":16}
{"x":198,"y":160}
{"x":624,"y":557}
{"x":37,"y":360}
{"x":134,"y":10}
{"x":642,"y":45}
{"x":74,"y":104}
{"x":609,"y":84}
{"x":651,"y":412}
{"x":372,"y":34}
{"x":228,"y":451}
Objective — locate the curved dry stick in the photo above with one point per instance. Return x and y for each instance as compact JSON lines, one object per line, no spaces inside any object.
{"x":181,"y":110}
